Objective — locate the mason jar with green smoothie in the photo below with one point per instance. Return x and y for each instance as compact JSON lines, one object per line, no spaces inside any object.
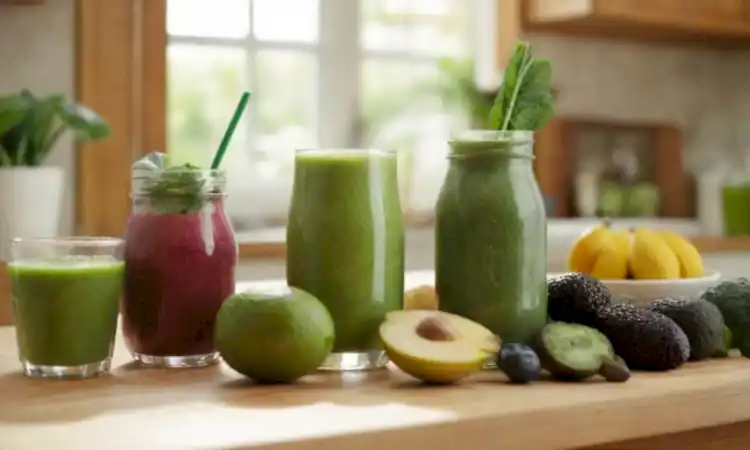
{"x":491,"y":229}
{"x":345,"y":246}
{"x":66,"y":293}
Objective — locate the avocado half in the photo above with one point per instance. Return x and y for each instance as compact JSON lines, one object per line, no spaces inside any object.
{"x":570,"y":351}
{"x":435,"y":346}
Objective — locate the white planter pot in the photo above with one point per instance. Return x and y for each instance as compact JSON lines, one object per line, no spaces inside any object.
{"x":30,"y":203}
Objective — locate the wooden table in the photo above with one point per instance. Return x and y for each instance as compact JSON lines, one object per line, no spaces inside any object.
{"x":214,"y":408}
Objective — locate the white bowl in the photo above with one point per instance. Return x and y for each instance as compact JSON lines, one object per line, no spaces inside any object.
{"x":642,"y":292}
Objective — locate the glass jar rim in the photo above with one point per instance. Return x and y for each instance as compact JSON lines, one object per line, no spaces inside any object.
{"x":516,"y":137}
{"x":71,"y":241}
{"x":345,"y":151}
{"x":470,"y":144}
{"x":148,"y":174}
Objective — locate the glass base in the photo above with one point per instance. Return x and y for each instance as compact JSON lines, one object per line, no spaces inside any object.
{"x":66,"y":372}
{"x":351,"y":361}
{"x":174,"y":362}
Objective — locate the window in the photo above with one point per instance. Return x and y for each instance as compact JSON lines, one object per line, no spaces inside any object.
{"x":323,"y":73}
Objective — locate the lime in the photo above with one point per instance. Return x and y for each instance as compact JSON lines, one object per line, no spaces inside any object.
{"x":274,"y":335}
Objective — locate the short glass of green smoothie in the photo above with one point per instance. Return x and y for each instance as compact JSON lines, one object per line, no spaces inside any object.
{"x":66,"y":294}
{"x":345,"y":246}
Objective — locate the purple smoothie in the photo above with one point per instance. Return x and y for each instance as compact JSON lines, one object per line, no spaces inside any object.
{"x":179,"y":269}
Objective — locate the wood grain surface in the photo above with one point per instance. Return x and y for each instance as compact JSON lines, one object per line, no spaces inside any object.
{"x":214,"y":408}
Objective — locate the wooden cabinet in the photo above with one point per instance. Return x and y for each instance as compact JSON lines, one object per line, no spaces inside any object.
{"x":721,"y":22}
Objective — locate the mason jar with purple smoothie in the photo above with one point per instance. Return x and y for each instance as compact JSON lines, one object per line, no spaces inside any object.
{"x":180,"y":257}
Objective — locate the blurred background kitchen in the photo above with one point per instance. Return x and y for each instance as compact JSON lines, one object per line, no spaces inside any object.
{"x":652,"y":104}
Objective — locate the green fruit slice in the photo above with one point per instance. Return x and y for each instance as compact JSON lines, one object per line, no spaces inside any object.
{"x":572,"y":351}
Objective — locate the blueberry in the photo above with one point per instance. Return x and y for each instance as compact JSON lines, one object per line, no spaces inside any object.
{"x":519,"y":362}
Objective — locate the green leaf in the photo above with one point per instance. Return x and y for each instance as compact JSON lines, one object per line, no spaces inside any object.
{"x":5,"y":160}
{"x":13,"y":108}
{"x":41,"y":121}
{"x":86,"y":124}
{"x":534,"y":105}
{"x":12,"y":140}
{"x":24,"y":155}
{"x":177,"y":190}
{"x":458,"y":87}
{"x":30,"y":126}
{"x":524,"y":101}
{"x":508,"y":89}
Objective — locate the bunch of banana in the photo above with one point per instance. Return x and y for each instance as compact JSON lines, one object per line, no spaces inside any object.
{"x":638,"y":253}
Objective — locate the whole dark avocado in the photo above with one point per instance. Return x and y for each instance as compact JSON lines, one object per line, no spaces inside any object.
{"x":645,"y":339}
{"x":733,"y":300}
{"x":576,"y":298}
{"x":701,"y":321}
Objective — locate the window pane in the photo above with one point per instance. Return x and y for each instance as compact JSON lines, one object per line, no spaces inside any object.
{"x":389,"y":88}
{"x":204,"y":85}
{"x":384,"y":29}
{"x":402,"y":110}
{"x":285,"y":102}
{"x":283,"y":120}
{"x":286,"y":20}
{"x":434,"y":27}
{"x":208,"y":18}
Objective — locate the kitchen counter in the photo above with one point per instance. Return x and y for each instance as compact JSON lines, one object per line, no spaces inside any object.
{"x":703,"y":405}
{"x":213,"y":408}
{"x":561,"y":234}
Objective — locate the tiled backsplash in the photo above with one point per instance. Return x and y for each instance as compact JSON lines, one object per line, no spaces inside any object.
{"x":702,"y":90}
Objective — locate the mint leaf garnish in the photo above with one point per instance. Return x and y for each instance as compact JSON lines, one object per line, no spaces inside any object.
{"x":178,"y":190}
{"x":524,"y":102}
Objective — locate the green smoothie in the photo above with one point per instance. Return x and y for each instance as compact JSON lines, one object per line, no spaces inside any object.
{"x":66,"y":309}
{"x":345,"y":240}
{"x":491,"y":235}
{"x":736,"y":200}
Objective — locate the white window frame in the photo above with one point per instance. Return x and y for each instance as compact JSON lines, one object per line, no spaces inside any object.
{"x":338,"y":53}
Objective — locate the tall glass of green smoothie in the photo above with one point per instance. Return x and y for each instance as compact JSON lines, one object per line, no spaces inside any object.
{"x":491,"y":235}
{"x":345,"y":245}
{"x":66,"y":293}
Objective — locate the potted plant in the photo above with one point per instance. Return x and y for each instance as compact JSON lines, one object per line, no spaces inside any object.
{"x":31,"y":193}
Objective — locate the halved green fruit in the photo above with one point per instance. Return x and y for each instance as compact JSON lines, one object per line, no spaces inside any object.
{"x":571,"y":351}
{"x":435,"y":346}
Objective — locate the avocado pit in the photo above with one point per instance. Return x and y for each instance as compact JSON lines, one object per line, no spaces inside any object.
{"x":434,"y":329}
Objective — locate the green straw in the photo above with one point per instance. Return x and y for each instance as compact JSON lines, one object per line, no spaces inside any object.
{"x":230,"y":131}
